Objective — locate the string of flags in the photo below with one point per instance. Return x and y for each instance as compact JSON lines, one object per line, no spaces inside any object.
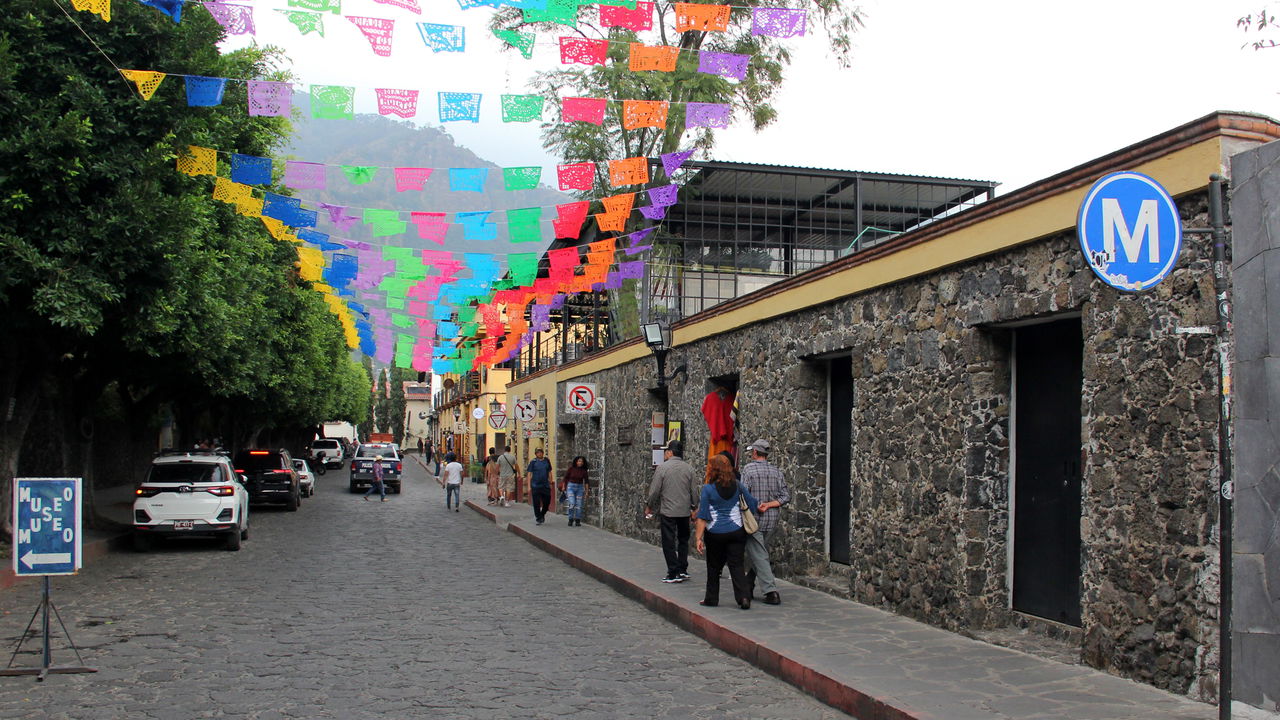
{"x":275,"y":99}
{"x":430,"y":309}
{"x":413,"y":307}
{"x":522,"y":224}
{"x":307,"y":16}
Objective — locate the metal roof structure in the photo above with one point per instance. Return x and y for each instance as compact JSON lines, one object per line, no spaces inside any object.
{"x":739,"y":227}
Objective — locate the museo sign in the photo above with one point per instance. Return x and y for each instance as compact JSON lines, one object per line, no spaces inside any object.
{"x":1129,"y":231}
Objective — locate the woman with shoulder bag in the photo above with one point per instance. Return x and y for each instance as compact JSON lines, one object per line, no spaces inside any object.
{"x":720,"y":534}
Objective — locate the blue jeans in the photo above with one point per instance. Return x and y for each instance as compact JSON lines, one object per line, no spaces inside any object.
{"x":455,"y":492}
{"x":573,"y":500}
{"x":379,"y":487}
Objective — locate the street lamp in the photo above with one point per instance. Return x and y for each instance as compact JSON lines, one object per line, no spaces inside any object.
{"x":494,"y":406}
{"x":657,"y":336}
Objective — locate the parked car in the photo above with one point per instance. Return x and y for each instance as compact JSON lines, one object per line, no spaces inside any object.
{"x":190,"y":493}
{"x":306,"y":478}
{"x":270,"y":477}
{"x":362,"y":466}
{"x":330,"y":449}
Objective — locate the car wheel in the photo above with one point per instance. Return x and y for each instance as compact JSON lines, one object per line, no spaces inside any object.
{"x":232,"y":541}
{"x":244,"y":532}
{"x":141,"y":542}
{"x":292,"y":504}
{"x":354,"y":486}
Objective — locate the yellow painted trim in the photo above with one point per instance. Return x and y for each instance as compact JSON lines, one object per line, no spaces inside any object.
{"x":1181,"y":172}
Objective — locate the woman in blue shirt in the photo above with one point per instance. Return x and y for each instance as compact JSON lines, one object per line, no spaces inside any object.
{"x":719,"y":532}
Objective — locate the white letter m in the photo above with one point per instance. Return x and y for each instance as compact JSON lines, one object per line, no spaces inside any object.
{"x":1147,"y":226}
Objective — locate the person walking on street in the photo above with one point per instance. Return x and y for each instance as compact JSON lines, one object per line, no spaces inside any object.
{"x":538,"y":475}
{"x":491,"y":475}
{"x":763,"y":480}
{"x":451,"y":480}
{"x":506,"y":475}
{"x":377,"y":484}
{"x":720,"y":534}
{"x":674,"y":492}
{"x":574,"y":486}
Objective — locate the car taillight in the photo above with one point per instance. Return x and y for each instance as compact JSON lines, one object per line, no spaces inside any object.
{"x":284,"y":472}
{"x":397,"y":467}
{"x":222,"y":490}
{"x":259,"y":452}
{"x":146,"y":491}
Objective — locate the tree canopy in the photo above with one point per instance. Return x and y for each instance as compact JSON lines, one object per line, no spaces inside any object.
{"x":751,"y":97}
{"x":116,"y":267}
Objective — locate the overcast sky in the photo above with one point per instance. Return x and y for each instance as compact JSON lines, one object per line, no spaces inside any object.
{"x":1004,"y":90}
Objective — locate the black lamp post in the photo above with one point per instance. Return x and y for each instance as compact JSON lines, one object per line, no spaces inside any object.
{"x":657,"y":336}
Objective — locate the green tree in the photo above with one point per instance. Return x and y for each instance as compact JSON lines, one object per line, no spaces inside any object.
{"x":116,"y":270}
{"x":750,"y":98}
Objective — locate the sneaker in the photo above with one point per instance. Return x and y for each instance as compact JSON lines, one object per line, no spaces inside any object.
{"x":683,"y":576}
{"x":457,"y":510}
{"x":676,"y":579}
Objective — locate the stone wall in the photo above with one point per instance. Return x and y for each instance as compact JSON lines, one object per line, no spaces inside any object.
{"x":930,"y":468}
{"x":1256,"y":313}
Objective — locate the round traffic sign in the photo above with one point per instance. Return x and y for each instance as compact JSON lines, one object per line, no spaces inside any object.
{"x":1129,"y":230}
{"x":526,"y":410}
{"x":477,"y":413}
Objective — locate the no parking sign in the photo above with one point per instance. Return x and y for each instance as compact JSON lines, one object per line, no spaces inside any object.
{"x":579,"y":397}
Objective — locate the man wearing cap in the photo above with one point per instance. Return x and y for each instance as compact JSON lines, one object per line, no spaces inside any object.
{"x":674,"y":492}
{"x":765,"y":482}
{"x":377,"y":485}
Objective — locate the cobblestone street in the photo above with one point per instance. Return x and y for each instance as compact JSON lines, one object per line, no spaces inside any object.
{"x":352,"y":609}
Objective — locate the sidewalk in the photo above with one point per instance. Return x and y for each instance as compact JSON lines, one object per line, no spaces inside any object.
{"x":869,"y":663}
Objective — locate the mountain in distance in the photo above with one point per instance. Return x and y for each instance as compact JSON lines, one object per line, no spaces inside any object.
{"x":374,"y":140}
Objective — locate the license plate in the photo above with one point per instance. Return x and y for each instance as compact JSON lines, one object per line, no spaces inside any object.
{"x":183,"y":524}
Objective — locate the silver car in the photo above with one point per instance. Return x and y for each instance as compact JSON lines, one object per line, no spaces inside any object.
{"x":306,"y":478}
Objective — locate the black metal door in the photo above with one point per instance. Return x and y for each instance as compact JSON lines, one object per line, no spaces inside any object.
{"x":1046,"y":513}
{"x":839,"y":452}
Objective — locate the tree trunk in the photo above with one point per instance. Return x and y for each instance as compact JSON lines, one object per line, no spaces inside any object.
{"x":22,"y":372}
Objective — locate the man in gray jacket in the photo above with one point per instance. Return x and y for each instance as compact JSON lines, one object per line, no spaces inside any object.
{"x":674,"y":491}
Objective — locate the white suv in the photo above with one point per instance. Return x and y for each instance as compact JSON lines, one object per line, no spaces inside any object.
{"x":191,"y":493}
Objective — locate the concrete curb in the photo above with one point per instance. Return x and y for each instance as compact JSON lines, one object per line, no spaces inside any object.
{"x":791,"y":670}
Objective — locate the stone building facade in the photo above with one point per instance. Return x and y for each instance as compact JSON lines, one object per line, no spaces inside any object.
{"x":903,"y":391}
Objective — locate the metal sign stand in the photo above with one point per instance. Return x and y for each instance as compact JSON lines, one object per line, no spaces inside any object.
{"x":47,"y":667}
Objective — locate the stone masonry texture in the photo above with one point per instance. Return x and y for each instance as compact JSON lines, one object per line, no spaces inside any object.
{"x":1256,"y":445}
{"x":931,"y":373}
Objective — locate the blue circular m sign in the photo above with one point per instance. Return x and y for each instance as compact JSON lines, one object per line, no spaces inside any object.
{"x":1129,"y":231}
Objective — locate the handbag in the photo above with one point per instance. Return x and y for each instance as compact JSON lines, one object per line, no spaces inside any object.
{"x":748,"y":520}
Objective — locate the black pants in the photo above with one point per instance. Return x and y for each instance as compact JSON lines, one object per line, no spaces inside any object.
{"x":721,"y":548}
{"x":675,"y":543}
{"x":541,"y":499}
